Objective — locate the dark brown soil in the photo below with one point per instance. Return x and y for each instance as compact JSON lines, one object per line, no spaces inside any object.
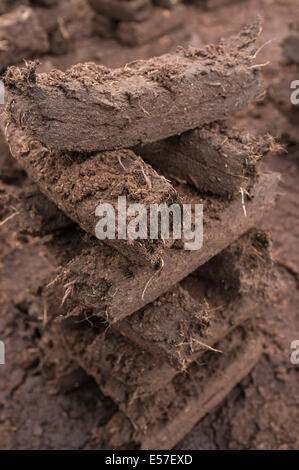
{"x":106,"y":285}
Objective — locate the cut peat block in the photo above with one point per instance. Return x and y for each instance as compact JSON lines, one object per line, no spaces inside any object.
{"x":174,"y":337}
{"x":29,"y":212}
{"x":64,"y":21}
{"x":92,"y":108}
{"x":10,"y":172}
{"x":161,"y":421}
{"x":213,"y":158}
{"x":21,"y":36}
{"x":123,"y":10}
{"x":129,"y":396}
{"x":214,"y":4}
{"x":7,"y":5}
{"x":104,"y":27}
{"x":77,"y":185}
{"x":290,"y":45}
{"x":167,"y":3}
{"x":60,"y":372}
{"x":160,"y":22}
{"x":182,"y":323}
{"x":107,"y":285}
{"x":4,"y":6}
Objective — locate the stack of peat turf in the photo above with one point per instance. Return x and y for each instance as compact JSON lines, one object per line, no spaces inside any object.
{"x":33,"y":28}
{"x":291,"y":43}
{"x":137,"y":22}
{"x":284,"y":90}
{"x":182,"y":324}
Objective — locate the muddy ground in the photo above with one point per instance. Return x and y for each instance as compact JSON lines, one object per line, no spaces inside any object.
{"x":262,"y":412}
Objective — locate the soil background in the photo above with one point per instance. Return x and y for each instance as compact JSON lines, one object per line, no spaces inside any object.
{"x":262,"y":412}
